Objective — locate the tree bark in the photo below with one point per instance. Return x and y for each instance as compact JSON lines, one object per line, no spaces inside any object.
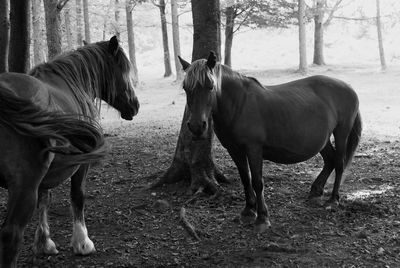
{"x":319,"y":32}
{"x":18,"y":57}
{"x":175,"y":39}
{"x":164,"y":32}
{"x":193,"y":159}
{"x":131,"y":41}
{"x":4,"y":35}
{"x":302,"y":38}
{"x":230,"y":23}
{"x":86,"y":20}
{"x":68,"y":32}
{"x":206,"y":28}
{"x":116,"y":17}
{"x":79,"y":36}
{"x":106,"y":19}
{"x":52,"y":11}
{"x":37,"y":35}
{"x":380,"y":38}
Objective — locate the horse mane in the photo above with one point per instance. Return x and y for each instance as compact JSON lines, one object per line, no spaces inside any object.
{"x":87,"y":70}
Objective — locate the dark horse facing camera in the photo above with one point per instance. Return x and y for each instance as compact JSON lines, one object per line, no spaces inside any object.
{"x":49,"y":133}
{"x":287,"y":123}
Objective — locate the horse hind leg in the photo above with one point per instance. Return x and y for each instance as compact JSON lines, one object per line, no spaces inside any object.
{"x":80,"y":242}
{"x":43,"y":243}
{"x":317,"y":188}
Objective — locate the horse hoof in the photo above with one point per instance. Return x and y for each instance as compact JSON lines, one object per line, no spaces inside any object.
{"x":331,"y":205}
{"x":83,"y":247}
{"x":248,"y":216}
{"x":262,"y":227}
{"x":48,"y":248}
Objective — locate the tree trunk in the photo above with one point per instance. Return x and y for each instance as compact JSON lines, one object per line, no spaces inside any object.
{"x":4,"y":35}
{"x":68,"y":32}
{"x":194,"y":160}
{"x":79,"y":36}
{"x":18,"y":57}
{"x":53,"y":27}
{"x":302,"y":38}
{"x":86,"y":20}
{"x":164,"y":31}
{"x":230,"y":23}
{"x":319,"y":33}
{"x":116,"y":16}
{"x":106,"y":19}
{"x":175,"y":39}
{"x":131,"y":41}
{"x":37,"y":35}
{"x":206,"y":28}
{"x":380,"y":38}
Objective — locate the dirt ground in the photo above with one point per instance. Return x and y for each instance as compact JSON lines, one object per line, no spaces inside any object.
{"x":131,"y":228}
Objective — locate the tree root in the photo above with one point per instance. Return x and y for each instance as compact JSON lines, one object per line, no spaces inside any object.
{"x":187,"y":225}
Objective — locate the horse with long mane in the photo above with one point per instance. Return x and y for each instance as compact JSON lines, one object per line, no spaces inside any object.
{"x":287,"y":123}
{"x":49,"y":133}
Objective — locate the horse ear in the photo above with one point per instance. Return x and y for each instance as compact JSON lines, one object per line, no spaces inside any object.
{"x":85,"y":43}
{"x":212,"y":60}
{"x":184,"y":63}
{"x":113,"y":45}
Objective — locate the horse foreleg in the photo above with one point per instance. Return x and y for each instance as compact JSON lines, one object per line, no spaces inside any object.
{"x":20,"y":207}
{"x":317,"y":188}
{"x":254,"y":156}
{"x":43,"y":243}
{"x":248,"y":214}
{"x":80,"y":241}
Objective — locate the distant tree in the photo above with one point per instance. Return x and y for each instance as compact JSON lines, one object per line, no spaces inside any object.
{"x":117,"y":31}
{"x":37,"y":36}
{"x":380,"y":38}
{"x":254,"y":13}
{"x":52,"y":10}
{"x":4,"y":35}
{"x":302,"y":37}
{"x":321,"y":9}
{"x":175,"y":39}
{"x":68,"y":31}
{"x":105,"y":19}
{"x":164,"y":31}
{"x":194,"y":160}
{"x":79,"y":36}
{"x":18,"y":56}
{"x":129,"y":6}
{"x":86,"y":20}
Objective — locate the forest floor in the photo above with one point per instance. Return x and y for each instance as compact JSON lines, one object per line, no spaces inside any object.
{"x":130,"y":227}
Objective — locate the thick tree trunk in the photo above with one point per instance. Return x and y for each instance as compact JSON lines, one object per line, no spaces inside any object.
{"x":18,"y":57}
{"x":4,"y":35}
{"x":380,"y":38}
{"x":164,"y":31}
{"x":302,"y":38}
{"x":79,"y":36}
{"x":53,"y":27}
{"x":131,"y":41}
{"x":206,"y":28}
{"x":175,"y":39}
{"x":230,"y":23}
{"x":86,"y":20}
{"x":37,"y":34}
{"x":194,"y":159}
{"x":319,"y":33}
{"x":68,"y":32}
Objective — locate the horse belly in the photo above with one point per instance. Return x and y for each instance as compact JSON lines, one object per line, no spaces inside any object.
{"x":283,"y":156}
{"x":57,"y":175}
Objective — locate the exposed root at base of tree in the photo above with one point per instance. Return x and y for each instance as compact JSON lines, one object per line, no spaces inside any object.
{"x":187,"y":225}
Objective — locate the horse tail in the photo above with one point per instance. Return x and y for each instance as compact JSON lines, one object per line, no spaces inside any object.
{"x":79,"y":137}
{"x":353,"y":139}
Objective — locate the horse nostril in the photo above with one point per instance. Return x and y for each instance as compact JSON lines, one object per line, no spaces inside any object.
{"x":188,"y":125}
{"x":204,"y":125}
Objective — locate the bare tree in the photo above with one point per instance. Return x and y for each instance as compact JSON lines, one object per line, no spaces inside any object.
{"x":380,"y":38}
{"x":86,"y":20}
{"x":117,"y":19}
{"x":4,"y":35}
{"x":67,"y":22}
{"x":106,"y":19}
{"x":194,"y":159}
{"x":18,"y":56}
{"x":37,"y":35}
{"x":175,"y":39}
{"x":302,"y":38}
{"x":164,"y":31}
{"x":52,"y":10}
{"x":129,"y":6}
{"x":79,"y":36}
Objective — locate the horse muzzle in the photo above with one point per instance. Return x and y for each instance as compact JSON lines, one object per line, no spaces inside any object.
{"x":197,"y":129}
